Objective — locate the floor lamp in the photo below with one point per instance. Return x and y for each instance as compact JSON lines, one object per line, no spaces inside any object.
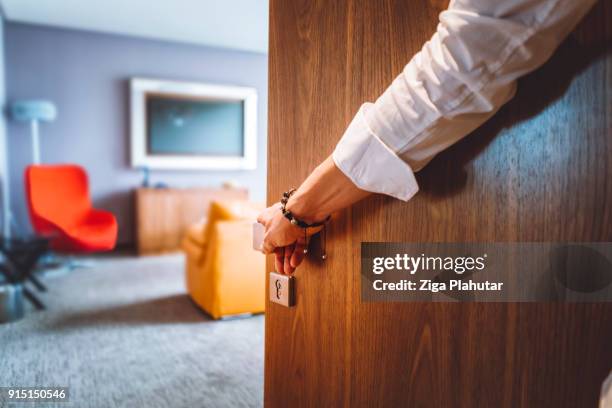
{"x":34,"y":111}
{"x":21,"y":257}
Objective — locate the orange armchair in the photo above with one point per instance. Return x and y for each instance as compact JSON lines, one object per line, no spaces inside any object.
{"x":224,"y":275}
{"x":60,"y":208}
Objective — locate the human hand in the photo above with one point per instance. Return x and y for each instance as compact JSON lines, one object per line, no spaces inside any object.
{"x":282,"y":238}
{"x":325,"y":191}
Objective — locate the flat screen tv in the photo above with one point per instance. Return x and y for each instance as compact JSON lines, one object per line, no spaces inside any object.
{"x":185,"y":125}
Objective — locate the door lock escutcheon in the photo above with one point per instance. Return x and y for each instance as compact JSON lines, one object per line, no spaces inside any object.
{"x":282,"y":289}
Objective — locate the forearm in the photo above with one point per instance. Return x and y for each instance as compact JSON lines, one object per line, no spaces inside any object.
{"x":458,"y":80}
{"x":325,"y":191}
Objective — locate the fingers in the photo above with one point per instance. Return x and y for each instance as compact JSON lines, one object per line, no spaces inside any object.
{"x":287,"y":268}
{"x":298,"y":254}
{"x":283,"y":258}
{"x":264,"y":216}
{"x":267,"y":247}
{"x":280,"y":239}
{"x":279,"y":257}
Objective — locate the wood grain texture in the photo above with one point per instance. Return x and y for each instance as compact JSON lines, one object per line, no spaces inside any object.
{"x":162,"y":215}
{"x":540,"y":170}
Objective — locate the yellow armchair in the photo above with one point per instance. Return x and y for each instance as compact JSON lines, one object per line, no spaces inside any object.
{"x":224,"y":275}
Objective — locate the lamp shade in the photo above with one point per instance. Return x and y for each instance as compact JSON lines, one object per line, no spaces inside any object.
{"x":38,"y":110}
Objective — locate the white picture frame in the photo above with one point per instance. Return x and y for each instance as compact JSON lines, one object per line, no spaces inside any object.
{"x":140,"y":157}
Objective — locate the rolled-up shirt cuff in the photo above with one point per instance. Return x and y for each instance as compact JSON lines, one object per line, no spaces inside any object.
{"x":371,"y":164}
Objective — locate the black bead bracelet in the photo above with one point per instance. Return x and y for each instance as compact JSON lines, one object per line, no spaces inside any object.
{"x":295,"y":221}
{"x":303,"y":224}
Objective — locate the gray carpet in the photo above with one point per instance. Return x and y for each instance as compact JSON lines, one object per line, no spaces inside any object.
{"x":125,"y":334}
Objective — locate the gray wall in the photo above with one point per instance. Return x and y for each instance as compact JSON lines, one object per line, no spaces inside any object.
{"x":86,"y":74}
{"x":4,"y":188}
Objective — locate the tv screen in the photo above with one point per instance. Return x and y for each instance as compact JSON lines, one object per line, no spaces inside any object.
{"x":183,"y":126}
{"x":188,"y":125}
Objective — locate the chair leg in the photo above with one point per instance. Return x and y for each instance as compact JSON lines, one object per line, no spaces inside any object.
{"x":37,"y":283}
{"x":38,"y":304}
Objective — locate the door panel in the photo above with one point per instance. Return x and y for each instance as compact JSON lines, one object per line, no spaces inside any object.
{"x":540,"y":170}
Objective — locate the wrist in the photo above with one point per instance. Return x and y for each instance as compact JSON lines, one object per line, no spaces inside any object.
{"x":303,"y":209}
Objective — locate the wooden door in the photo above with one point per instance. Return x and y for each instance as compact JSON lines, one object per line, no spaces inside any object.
{"x":540,"y":170}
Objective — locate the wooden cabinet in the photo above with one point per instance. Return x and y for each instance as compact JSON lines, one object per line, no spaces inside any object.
{"x":162,"y":215}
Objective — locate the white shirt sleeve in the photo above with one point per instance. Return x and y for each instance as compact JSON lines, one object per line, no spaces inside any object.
{"x":458,"y":80}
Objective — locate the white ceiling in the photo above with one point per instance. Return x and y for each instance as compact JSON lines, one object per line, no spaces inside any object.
{"x":237,"y":24}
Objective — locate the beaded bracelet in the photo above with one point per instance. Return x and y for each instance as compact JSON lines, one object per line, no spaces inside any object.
{"x":303,"y":224}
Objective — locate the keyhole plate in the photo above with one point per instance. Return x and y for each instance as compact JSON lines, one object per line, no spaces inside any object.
{"x":282,"y":290}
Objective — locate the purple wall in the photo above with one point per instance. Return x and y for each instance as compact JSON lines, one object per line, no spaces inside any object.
{"x":86,"y":74}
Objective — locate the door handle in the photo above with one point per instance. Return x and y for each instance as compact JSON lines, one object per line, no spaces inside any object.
{"x":258,"y":235}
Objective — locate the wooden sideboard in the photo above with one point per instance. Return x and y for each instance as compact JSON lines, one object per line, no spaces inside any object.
{"x":162,"y":215}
